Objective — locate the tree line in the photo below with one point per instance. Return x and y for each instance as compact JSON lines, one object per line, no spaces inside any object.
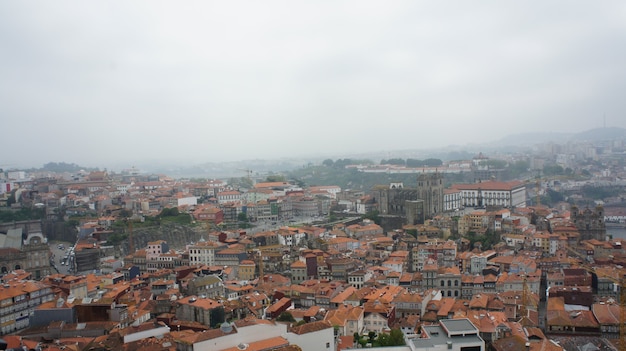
{"x":412,"y":162}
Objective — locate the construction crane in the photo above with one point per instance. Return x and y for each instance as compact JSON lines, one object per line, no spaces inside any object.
{"x":131,"y":246}
{"x":620,"y":283}
{"x":578,"y":254}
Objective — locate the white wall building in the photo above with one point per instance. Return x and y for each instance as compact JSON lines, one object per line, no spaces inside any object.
{"x":188,"y":201}
{"x":492,"y":193}
{"x":203,"y":252}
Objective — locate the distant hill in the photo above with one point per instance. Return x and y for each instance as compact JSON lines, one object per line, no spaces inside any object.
{"x":529,"y":139}
{"x":600,"y":134}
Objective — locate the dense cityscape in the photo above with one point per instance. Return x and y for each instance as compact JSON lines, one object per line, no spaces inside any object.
{"x":507,"y":252}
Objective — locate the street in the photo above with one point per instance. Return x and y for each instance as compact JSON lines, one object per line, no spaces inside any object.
{"x":59,"y":255}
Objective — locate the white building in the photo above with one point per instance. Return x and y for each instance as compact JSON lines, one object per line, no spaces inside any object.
{"x":249,"y":335}
{"x":186,"y":201}
{"x":492,"y":193}
{"x":228,"y":196}
{"x":203,"y":252}
{"x":450,"y":334}
{"x":291,"y":238}
{"x":451,"y":200}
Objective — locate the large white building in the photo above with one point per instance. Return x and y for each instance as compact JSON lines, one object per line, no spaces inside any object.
{"x":451,"y":200}
{"x":492,"y":193}
{"x":261,"y":335}
{"x":448,"y":335}
{"x":203,"y":252}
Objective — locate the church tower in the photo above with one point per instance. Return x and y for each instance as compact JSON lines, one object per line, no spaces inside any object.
{"x":430,"y":190}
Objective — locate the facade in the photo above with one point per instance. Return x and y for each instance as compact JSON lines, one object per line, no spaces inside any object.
{"x":348,"y":318}
{"x":430,"y":190}
{"x":18,"y":299}
{"x":491,"y":193}
{"x":450,"y":334}
{"x":451,"y":200}
{"x":298,"y":272}
{"x":31,"y":254}
{"x":203,"y":252}
{"x":230,"y":196}
{"x":590,"y":223}
{"x":247,"y":270}
{"x":378,"y":316}
{"x":156,"y":248}
{"x":414,"y":205}
{"x":202,"y":310}
{"x":210,"y":286}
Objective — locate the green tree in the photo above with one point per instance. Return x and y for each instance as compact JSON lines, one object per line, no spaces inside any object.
{"x":494,"y":163}
{"x":394,"y":161}
{"x":169,"y":212}
{"x":382,"y":340}
{"x":371,"y":336}
{"x":217,"y":316}
{"x":517,"y":168}
{"x":11,"y":200}
{"x":342,"y":163}
{"x":328,"y":162}
{"x":550,"y":170}
{"x":554,"y":196}
{"x":242,"y":217}
{"x":286,"y":317}
{"x":414,"y":163}
{"x":396,"y":337}
{"x":125,"y":213}
{"x":275,"y":178}
{"x":433,"y":162}
{"x":373,"y":216}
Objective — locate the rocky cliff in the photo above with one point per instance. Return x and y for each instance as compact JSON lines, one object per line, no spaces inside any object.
{"x":176,"y":235}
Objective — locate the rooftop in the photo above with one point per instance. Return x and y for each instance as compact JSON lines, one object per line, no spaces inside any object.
{"x":459,"y":326}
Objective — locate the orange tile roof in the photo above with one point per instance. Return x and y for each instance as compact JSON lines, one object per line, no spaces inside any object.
{"x":263,"y":345}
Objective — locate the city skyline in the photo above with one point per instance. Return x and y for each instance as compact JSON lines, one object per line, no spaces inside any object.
{"x":97,"y":83}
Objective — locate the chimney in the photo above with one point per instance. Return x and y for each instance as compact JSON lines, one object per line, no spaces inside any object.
{"x":527,"y":346}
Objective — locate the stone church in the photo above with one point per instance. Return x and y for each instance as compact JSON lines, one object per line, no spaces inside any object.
{"x":411,"y":205}
{"x":590,"y":223}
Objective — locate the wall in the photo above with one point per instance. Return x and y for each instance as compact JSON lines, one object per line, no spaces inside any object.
{"x":177,"y":236}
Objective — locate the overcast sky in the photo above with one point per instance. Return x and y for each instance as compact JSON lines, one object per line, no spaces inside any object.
{"x":95,"y":82}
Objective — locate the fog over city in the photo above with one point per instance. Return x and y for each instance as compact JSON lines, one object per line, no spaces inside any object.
{"x":97,"y":83}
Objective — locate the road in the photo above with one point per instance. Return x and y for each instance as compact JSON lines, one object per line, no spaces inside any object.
{"x":59,"y":255}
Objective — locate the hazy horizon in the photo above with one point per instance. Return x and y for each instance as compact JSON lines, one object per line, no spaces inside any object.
{"x":124,"y":82}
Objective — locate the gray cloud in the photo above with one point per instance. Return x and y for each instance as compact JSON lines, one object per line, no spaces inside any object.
{"x":96,"y":83}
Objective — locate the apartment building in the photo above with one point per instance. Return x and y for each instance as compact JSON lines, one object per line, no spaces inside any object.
{"x":18,"y":299}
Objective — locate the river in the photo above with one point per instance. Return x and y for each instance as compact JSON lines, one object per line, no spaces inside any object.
{"x":616,"y":232}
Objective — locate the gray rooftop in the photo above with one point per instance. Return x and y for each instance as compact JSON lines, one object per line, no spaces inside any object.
{"x":458,"y":326}
{"x":437,"y":336}
{"x":12,"y":239}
